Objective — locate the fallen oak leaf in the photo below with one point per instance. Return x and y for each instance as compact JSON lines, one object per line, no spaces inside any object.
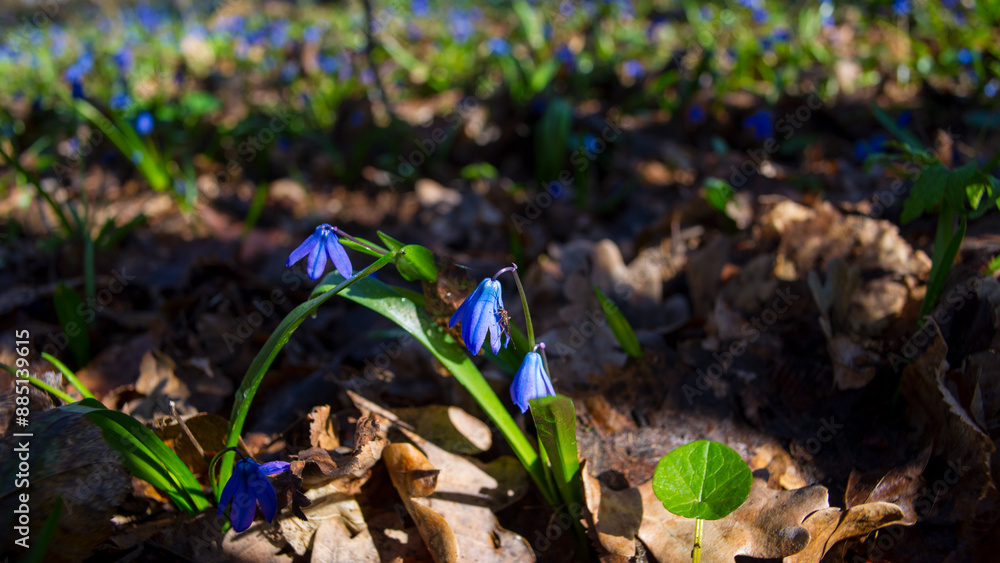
{"x":352,"y":469}
{"x":323,"y":429}
{"x":899,"y":486}
{"x":438,"y":535}
{"x":830,"y":526}
{"x":768,"y":525}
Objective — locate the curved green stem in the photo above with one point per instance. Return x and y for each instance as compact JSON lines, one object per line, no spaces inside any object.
{"x":527,"y":313}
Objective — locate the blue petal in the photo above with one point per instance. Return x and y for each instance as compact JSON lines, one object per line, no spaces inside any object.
{"x":303,"y":249}
{"x":267,"y":498}
{"x":274,"y":467}
{"x":530,"y":382}
{"x":482,"y":316}
{"x":464,"y":307}
{"x":227,"y":493}
{"x":316,"y":262}
{"x":338,"y":255}
{"x":244,"y":504}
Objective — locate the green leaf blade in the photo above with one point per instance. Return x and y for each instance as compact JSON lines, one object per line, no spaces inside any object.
{"x":703,"y":479}
{"x":619,"y":326}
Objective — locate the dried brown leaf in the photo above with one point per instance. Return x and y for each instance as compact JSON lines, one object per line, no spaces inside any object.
{"x":323,"y":429}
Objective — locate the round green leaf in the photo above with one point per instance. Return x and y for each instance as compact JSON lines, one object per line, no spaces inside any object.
{"x":703,"y":479}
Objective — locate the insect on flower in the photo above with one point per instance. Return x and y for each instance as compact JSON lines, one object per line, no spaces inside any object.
{"x":504,"y":319}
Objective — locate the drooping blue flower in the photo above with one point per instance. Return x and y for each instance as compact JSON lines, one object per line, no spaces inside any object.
{"x":479,"y":314}
{"x":498,"y":46}
{"x":419,"y":8}
{"x":144,"y":123}
{"x":760,"y":15}
{"x":761,"y":123}
{"x":901,"y":7}
{"x":566,"y":8}
{"x":312,"y":34}
{"x":328,"y":64}
{"x":904,"y":119}
{"x":279,"y":33}
{"x":247,"y":486}
{"x":565,"y":55}
{"x":321,"y":244}
{"x":781,"y":35}
{"x":530,"y":382}
{"x":124,"y":59}
{"x":991,"y":88}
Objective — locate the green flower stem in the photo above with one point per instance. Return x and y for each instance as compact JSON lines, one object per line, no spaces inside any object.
{"x":377,"y":251}
{"x":696,"y":551}
{"x":258,"y":368}
{"x":527,"y":313}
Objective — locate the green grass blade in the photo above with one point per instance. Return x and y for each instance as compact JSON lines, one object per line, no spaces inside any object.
{"x":267,"y":354}
{"x":46,"y":387}
{"x":41,"y":545}
{"x":381,"y":298}
{"x":619,"y":326}
{"x":69,"y":375}
{"x":941,"y":265}
{"x":145,"y":455}
{"x":555,"y":419}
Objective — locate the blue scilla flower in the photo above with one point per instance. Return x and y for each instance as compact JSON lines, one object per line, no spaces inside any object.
{"x":826,"y":13}
{"x":531,"y":381}
{"x":461,"y":25}
{"x":566,"y":8}
{"x":760,"y":15}
{"x":761,"y":123}
{"x":901,"y":7}
{"x":312,"y":34}
{"x":904,"y":119}
{"x":420,"y":8}
{"x":321,"y":244}
{"x":991,"y":88}
{"x":144,"y":123}
{"x":696,"y":115}
{"x":498,"y":46}
{"x":565,"y":55}
{"x":479,"y":314}
{"x":247,"y":486}
{"x":328,"y":64}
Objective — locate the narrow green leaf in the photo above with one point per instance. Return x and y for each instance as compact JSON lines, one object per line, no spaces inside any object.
{"x":40,"y":546}
{"x":52,"y":390}
{"x":941,"y":264}
{"x":417,"y":263}
{"x":703,"y":479}
{"x":619,"y":326}
{"x":374,"y":250}
{"x":69,"y":375}
{"x":68,"y":309}
{"x":381,"y":298}
{"x":897,"y":131}
{"x":256,"y":208}
{"x":531,"y":23}
{"x":266,"y":355}
{"x":552,"y":140}
{"x":145,"y":455}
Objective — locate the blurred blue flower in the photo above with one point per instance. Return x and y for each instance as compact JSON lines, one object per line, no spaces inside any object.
{"x":760,"y":122}
{"x":991,"y":88}
{"x":148,"y":18}
{"x":760,"y":15}
{"x":479,"y":314}
{"x":420,"y":8}
{"x":590,"y":144}
{"x":904,"y":119}
{"x":119,"y":101}
{"x":566,"y":8}
{"x":547,"y":31}
{"x":278,"y":34}
{"x":58,"y":39}
{"x":144,"y":123}
{"x":81,"y":67}
{"x":565,"y":55}
{"x":312,"y":34}
{"x":124,"y":58}
{"x":781,"y":34}
{"x":696,"y":114}
{"x":461,"y":25}
{"x":328,"y":64}
{"x":321,"y":244}
{"x":77,"y":86}
{"x":901,"y":7}
{"x":289,"y":71}
{"x":965,"y":57}
{"x":530,"y":382}
{"x":865,"y":148}
{"x":826,"y":13}
{"x":247,"y":486}
{"x":498,"y":46}
{"x":633,"y":68}
{"x":367,"y":76}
